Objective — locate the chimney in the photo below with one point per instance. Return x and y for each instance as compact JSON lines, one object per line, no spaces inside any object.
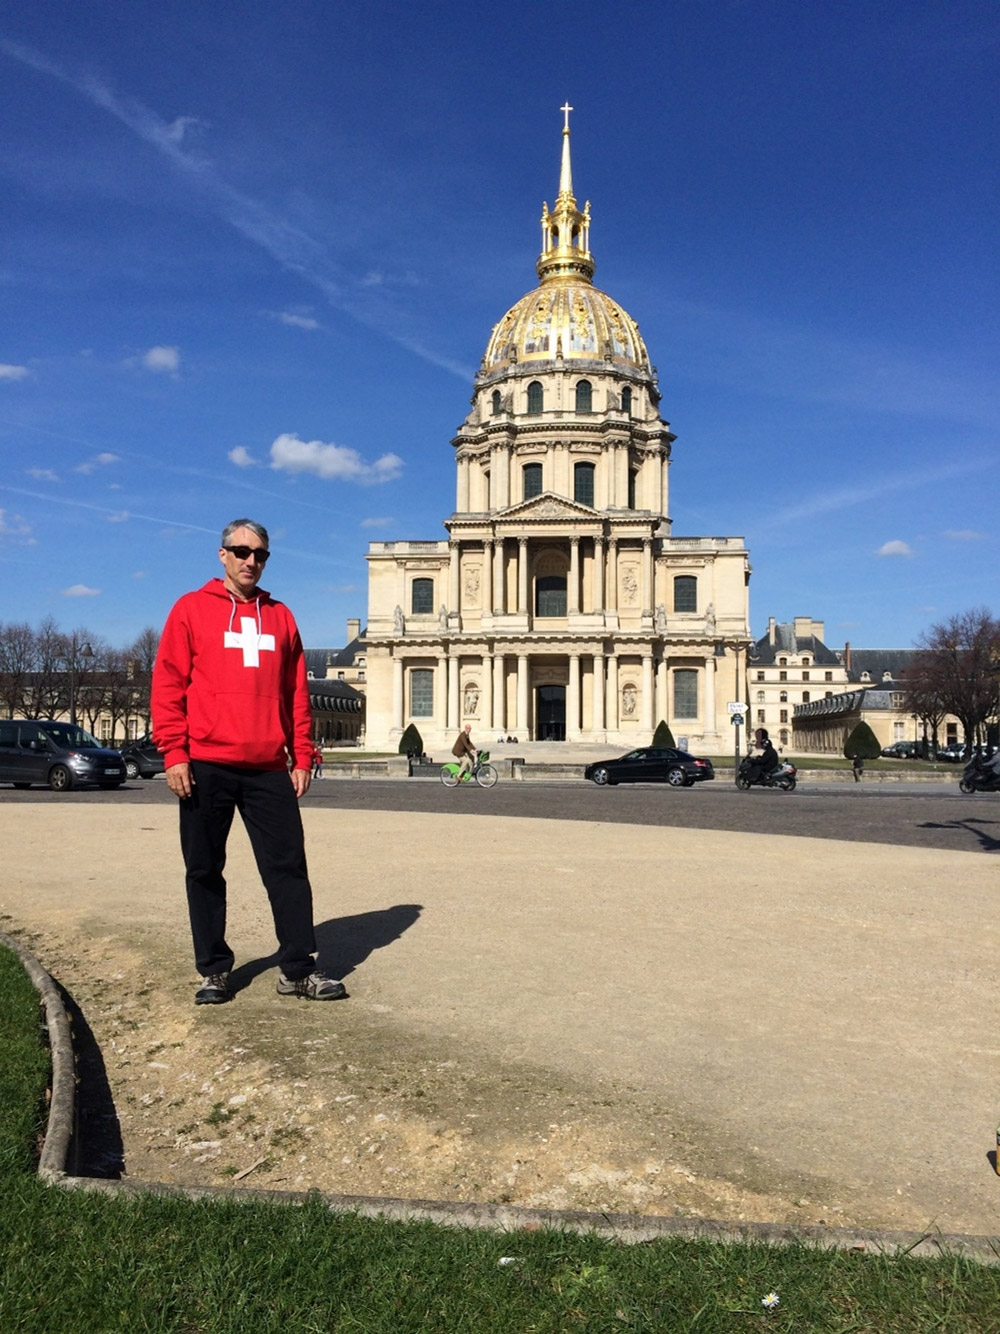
{"x":770,"y":629}
{"x":847,"y":655}
{"x":353,"y":629}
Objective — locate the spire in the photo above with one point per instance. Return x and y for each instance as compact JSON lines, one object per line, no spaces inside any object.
{"x":565,"y":231}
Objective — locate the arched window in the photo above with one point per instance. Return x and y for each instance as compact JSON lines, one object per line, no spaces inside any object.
{"x":535,"y":396}
{"x":496,"y":402}
{"x":627,"y":399}
{"x":422,"y":597}
{"x":532,"y":474}
{"x":685,"y":693}
{"x":783,"y":737}
{"x":783,"y":697}
{"x":421,"y":693}
{"x":632,"y":475}
{"x":583,"y":483}
{"x":685,"y":593}
{"x":584,"y":396}
{"x":550,"y":595}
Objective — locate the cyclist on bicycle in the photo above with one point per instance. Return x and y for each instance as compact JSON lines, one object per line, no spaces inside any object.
{"x":464,"y":751}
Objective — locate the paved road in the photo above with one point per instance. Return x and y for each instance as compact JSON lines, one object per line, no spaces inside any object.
{"x":937,"y":816}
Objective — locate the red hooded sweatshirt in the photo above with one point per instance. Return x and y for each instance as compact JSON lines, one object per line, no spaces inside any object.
{"x":229,"y":684}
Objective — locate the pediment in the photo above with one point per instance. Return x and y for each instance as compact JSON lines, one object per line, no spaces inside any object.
{"x":547,"y":506}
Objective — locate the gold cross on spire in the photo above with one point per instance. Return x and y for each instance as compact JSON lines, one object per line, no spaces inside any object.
{"x":566,"y":109}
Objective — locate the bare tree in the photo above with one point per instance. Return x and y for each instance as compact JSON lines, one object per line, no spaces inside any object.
{"x":17,"y":660}
{"x":957,"y":664}
{"x":142,"y":655}
{"x":47,"y":689}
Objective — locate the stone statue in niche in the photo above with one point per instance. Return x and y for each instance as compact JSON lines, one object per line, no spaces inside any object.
{"x":630,"y":586}
{"x":630,"y":698}
{"x":710,"y":616}
{"x":661,"y":619}
{"x":443,"y":617}
{"x":397,"y":620}
{"x":472,"y":584}
{"x":471,"y":699}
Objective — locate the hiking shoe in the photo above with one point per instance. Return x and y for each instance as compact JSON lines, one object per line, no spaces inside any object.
{"x":214,"y":990}
{"x":317,"y":986}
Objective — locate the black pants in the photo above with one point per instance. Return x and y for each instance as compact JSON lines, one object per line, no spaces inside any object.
{"x":269,"y":809}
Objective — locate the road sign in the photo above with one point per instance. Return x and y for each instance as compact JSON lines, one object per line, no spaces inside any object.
{"x":737,"y":707}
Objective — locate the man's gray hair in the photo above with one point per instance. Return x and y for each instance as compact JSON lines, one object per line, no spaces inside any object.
{"x":230,"y":528}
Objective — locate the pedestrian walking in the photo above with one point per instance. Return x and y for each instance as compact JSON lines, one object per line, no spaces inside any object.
{"x":858,"y":767}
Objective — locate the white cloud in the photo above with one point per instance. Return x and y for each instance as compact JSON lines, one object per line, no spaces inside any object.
{"x":331,"y":462}
{"x":167,"y":359}
{"x":241,"y":457}
{"x":98,"y":461}
{"x":42,"y":474}
{"x":80,"y":591}
{"x":138,"y":574}
{"x":964,"y":535}
{"x":122,"y":516}
{"x":14,"y":525}
{"x":297,"y":321}
{"x":13,"y":372}
{"x":175,"y":133}
{"x":895,"y":548}
{"x":377,"y":523}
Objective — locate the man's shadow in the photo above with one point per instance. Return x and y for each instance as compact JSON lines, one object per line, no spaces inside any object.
{"x":344,"y":942}
{"x":988,"y":842}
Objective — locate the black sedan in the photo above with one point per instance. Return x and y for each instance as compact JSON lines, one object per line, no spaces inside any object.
{"x":142,"y":759}
{"x":652,"y":764}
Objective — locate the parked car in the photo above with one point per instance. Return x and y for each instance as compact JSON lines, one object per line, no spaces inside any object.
{"x":904,"y":750}
{"x":652,"y":764}
{"x":59,"y":754}
{"x":953,"y":753}
{"x":142,"y":759}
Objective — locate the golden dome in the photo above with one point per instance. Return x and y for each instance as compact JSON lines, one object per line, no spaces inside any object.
{"x":567,"y":316}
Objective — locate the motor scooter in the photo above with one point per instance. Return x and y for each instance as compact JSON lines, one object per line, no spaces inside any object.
{"x":979,"y":775}
{"x":783,"y":777}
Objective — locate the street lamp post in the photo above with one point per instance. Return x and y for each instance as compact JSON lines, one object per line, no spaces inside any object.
{"x":86,"y":652}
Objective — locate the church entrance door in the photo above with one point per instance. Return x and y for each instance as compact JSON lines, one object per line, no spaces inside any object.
{"x":550,"y":713}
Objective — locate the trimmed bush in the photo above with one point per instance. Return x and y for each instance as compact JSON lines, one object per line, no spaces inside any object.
{"x":863,"y":742}
{"x":663,"y":737}
{"x":411,"y":742}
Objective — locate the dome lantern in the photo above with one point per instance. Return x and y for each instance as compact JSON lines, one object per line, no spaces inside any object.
{"x":566,"y":231}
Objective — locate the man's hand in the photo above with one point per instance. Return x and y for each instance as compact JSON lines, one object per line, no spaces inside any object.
{"x":301,"y":778}
{"x":179,"y":779}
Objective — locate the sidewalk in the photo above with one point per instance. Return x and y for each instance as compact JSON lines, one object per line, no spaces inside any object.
{"x":573,"y":1016}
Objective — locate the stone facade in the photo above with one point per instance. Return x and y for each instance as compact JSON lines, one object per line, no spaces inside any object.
{"x":560,"y":606}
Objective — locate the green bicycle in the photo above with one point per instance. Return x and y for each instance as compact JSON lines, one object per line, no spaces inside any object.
{"x":484,"y":774}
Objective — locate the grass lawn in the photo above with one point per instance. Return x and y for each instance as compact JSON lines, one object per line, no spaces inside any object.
{"x":94,"y":1264}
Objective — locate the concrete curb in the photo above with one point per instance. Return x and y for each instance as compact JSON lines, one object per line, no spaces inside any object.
{"x":628,"y":1228}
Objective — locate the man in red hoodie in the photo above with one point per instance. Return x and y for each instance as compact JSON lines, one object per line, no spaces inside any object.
{"x":230,"y":706}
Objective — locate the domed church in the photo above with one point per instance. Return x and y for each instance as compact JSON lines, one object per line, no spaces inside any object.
{"x":560,"y":607}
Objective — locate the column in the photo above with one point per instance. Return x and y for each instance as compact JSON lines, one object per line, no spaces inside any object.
{"x":499,"y":575}
{"x":521,"y":727}
{"x":711,"y":722}
{"x":522,"y":576}
{"x":611,"y":463}
{"x":441,"y":689}
{"x":647,"y":576}
{"x":664,"y":489}
{"x":487,"y":576}
{"x":599,"y":574}
{"x":486,"y":692}
{"x":499,"y":477}
{"x":499,"y":694}
{"x":454,"y":673}
{"x":597,"y":709}
{"x":397,"y":692}
{"x":612,"y":694}
{"x":661,"y":690}
{"x":611,"y":593}
{"x":454,"y":586}
{"x":646,"y":704}
{"x":462,"y":497}
{"x":573,"y":606}
{"x":573,"y":699}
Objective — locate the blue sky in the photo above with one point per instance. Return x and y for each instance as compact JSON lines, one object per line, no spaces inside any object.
{"x":253,"y":254}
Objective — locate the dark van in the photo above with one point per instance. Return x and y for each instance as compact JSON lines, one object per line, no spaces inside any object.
{"x":61,"y":755}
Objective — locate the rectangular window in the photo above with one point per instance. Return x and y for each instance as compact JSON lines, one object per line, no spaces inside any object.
{"x":783,"y":716}
{"x":805,"y":676}
{"x":760,"y":676}
{"x":899,"y":731}
{"x":760,"y":715}
{"x":828,"y":676}
{"x":532,"y":475}
{"x":105,"y":729}
{"x":805,"y":697}
{"x":685,"y":593}
{"x":685,"y":693}
{"x":782,"y":676}
{"x":421,"y":693}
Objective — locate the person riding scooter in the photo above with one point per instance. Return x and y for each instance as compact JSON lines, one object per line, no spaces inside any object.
{"x":762,"y":758}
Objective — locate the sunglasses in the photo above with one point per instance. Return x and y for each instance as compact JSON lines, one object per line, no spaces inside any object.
{"x":260,"y":554}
